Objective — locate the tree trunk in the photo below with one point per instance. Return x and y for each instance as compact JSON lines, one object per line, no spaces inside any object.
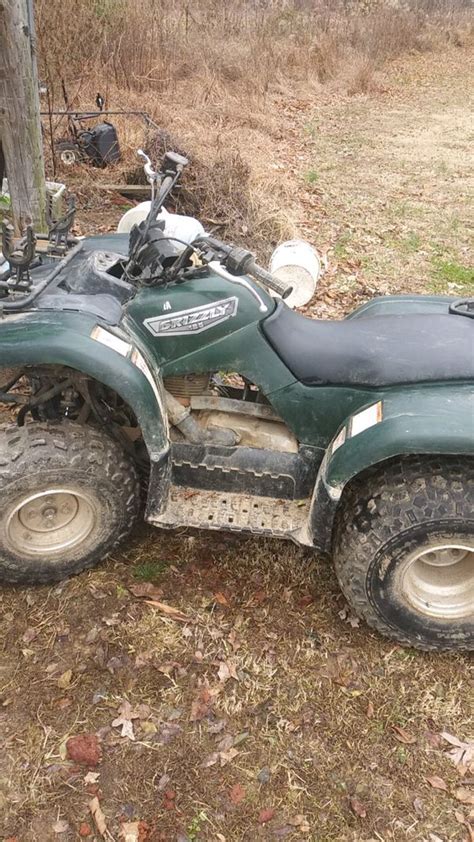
{"x":20,"y":124}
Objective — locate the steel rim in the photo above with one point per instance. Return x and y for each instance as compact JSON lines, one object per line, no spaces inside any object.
{"x":51,"y":522}
{"x":68,"y":156}
{"x":438,"y":581}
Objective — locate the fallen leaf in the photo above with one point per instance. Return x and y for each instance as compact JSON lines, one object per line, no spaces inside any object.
{"x":29,"y":635}
{"x":347,"y":615}
{"x":98,"y":816}
{"x":264,"y":775}
{"x":201,"y":705}
{"x":85,"y":829}
{"x":146,"y":589}
{"x":130,"y":831}
{"x":91,"y":777}
{"x":434,"y":740}
{"x":370,"y":711}
{"x":281,"y":832}
{"x":61,"y":826}
{"x":211,"y":760}
{"x":464,"y":795}
{"x":174,"y":613}
{"x":64,"y":680}
{"x":437,"y":783}
{"x":219,"y":597}
{"x":217,"y":726}
{"x":357,"y":807}
{"x":148,"y":727}
{"x":237,"y":793}
{"x":403,"y":736}
{"x":463,"y":752}
{"x":169,"y":799}
{"x":225,"y":743}
{"x":418,"y":805}
{"x":163,"y":782}
{"x":124,"y":721}
{"x":266,"y":815}
{"x":225,"y":757}
{"x":297,"y":820}
{"x":84,"y":749}
{"x":227,"y":670}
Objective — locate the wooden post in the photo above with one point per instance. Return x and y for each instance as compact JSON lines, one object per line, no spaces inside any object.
{"x":20,"y":124}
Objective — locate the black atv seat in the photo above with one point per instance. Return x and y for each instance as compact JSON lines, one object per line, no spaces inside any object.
{"x":373,"y":351}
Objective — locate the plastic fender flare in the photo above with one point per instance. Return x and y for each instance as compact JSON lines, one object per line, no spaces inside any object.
{"x":438,"y":421}
{"x":53,"y":344}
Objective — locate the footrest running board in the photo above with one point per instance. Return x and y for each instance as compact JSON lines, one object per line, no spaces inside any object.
{"x":235,"y":512}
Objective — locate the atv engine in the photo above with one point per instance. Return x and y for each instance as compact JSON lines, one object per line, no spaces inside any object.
{"x":217,"y":403}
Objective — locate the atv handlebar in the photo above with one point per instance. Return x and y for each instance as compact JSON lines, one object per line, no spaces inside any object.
{"x":239,"y":261}
{"x":280,"y":287}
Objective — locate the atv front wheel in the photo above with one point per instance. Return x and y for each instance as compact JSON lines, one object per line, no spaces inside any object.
{"x":68,"y":495}
{"x":404,"y":552}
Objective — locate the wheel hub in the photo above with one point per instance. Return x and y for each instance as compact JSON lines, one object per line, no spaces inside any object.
{"x":51,"y":521}
{"x":439,"y":581}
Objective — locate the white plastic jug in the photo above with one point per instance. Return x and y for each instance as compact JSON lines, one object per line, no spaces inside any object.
{"x":297,"y":263}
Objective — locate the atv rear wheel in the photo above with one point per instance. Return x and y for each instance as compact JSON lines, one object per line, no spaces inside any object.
{"x":404,"y":551}
{"x":69,"y":496}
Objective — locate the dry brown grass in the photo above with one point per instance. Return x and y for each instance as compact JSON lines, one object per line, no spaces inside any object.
{"x":240,"y":47}
{"x":214,"y":74}
{"x":313,"y":702}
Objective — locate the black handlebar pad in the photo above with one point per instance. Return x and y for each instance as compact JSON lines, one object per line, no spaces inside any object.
{"x":283,"y":289}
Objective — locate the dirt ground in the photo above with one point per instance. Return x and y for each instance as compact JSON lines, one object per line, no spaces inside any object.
{"x":261,"y":709}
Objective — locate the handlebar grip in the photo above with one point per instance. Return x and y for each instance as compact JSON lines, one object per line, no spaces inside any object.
{"x":283,"y":289}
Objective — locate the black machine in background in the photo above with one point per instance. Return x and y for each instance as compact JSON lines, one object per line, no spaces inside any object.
{"x":97,"y":145}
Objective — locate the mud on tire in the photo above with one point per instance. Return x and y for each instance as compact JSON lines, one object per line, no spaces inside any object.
{"x":69,"y":496}
{"x":401,"y":515}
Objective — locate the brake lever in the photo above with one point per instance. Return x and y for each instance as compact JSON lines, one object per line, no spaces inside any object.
{"x":151,"y":174}
{"x":223,"y":273}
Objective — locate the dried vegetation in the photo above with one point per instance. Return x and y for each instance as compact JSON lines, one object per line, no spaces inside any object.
{"x":253,"y":706}
{"x":215,"y":76}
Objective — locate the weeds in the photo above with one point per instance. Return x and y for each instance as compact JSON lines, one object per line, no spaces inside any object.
{"x":149,"y":571}
{"x":209,"y":72}
{"x":450,"y":272}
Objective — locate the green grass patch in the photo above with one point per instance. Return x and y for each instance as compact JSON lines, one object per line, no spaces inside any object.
{"x":148,"y":571}
{"x":340,"y":249}
{"x":448,"y":275}
{"x":410,"y":244}
{"x":312,"y":176}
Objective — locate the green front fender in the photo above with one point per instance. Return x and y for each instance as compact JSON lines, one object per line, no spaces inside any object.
{"x":415,"y":420}
{"x":31,"y":339}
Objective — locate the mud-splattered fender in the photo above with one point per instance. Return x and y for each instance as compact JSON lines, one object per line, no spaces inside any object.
{"x":48,"y":338}
{"x":434,"y":418}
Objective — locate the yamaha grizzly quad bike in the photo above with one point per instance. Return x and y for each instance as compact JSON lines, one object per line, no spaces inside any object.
{"x":354,"y":437}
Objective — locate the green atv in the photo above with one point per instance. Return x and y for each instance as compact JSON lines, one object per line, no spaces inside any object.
{"x":143,"y":367}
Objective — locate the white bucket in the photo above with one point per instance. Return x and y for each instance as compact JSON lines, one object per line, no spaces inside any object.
{"x":134,"y":216}
{"x":297,"y":263}
{"x":185,"y":228}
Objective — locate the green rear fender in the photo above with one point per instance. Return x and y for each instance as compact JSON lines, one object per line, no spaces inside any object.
{"x":27,"y":341}
{"x":435,"y":419}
